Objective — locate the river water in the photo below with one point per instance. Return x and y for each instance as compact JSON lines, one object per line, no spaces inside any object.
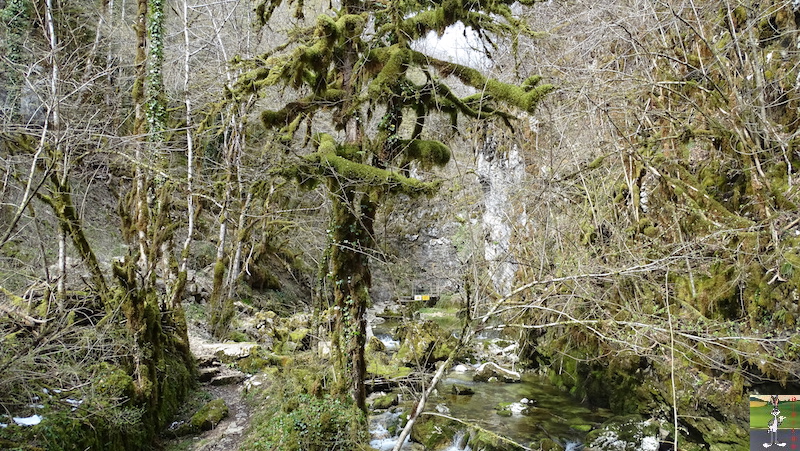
{"x":538,"y":409}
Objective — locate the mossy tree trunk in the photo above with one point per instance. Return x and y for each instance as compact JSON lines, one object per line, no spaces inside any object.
{"x":351,"y":240}
{"x":162,"y":363}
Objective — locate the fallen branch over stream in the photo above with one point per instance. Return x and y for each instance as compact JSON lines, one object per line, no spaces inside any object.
{"x":464,"y":337}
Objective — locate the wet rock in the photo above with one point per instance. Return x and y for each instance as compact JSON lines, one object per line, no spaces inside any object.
{"x":622,"y":433}
{"x":206,"y":374}
{"x":507,"y":409}
{"x":228,"y":377}
{"x":490,"y":370}
{"x":549,"y":445}
{"x":458,"y":389}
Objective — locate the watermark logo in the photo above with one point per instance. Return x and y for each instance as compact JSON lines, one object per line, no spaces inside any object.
{"x":773,"y":422}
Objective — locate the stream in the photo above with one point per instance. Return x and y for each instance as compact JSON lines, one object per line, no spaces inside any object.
{"x":551,"y":413}
{"x":538,"y":410}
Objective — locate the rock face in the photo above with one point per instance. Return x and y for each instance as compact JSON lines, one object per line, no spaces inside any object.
{"x":500,"y":173}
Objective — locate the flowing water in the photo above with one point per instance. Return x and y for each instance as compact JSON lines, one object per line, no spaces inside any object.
{"x":539,"y":410}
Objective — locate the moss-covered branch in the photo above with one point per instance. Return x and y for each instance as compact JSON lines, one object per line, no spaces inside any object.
{"x":427,"y":152}
{"x":308,"y":105}
{"x":333,"y":166}
{"x":524,"y":97}
{"x":485,"y":17}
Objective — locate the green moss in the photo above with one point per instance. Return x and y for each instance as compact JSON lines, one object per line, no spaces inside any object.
{"x":334,"y":166}
{"x":210,"y":415}
{"x":428,"y":153}
{"x":305,"y":422}
{"x":392,"y":72}
{"x":389,"y":371}
{"x":385,"y":401}
{"x":299,"y":335}
{"x":582,"y":427}
{"x":433,"y":432}
{"x":523,"y":97}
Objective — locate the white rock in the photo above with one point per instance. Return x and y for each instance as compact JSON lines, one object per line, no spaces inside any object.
{"x":649,"y":444}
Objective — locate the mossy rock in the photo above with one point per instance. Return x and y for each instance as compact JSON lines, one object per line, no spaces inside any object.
{"x":434,"y":432}
{"x":458,"y":389}
{"x":628,"y":428}
{"x":375,"y":345}
{"x":423,"y":344}
{"x":301,"y":422}
{"x":549,"y":445}
{"x":489,"y":441}
{"x":581,"y":427}
{"x":238,"y":336}
{"x":389,"y":371}
{"x":299,"y":339}
{"x":252,"y":364}
{"x":386,"y":401}
{"x":209,"y":415}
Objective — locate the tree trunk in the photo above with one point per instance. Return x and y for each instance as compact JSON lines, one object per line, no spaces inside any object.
{"x":354,"y":215}
{"x":216,"y":303}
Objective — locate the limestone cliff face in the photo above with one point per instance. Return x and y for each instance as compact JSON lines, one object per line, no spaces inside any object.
{"x":473,"y":222}
{"x":501,"y":175}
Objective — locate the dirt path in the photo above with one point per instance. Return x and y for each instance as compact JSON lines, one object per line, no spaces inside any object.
{"x":229,"y":433}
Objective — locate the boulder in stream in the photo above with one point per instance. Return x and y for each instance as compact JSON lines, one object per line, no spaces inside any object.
{"x":490,"y":371}
{"x":423,"y":344}
{"x":458,"y":389}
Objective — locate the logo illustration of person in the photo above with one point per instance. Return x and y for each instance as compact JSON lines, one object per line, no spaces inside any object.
{"x":772,"y":425}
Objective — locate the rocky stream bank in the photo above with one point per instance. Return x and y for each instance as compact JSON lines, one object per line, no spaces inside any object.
{"x":488,"y":400}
